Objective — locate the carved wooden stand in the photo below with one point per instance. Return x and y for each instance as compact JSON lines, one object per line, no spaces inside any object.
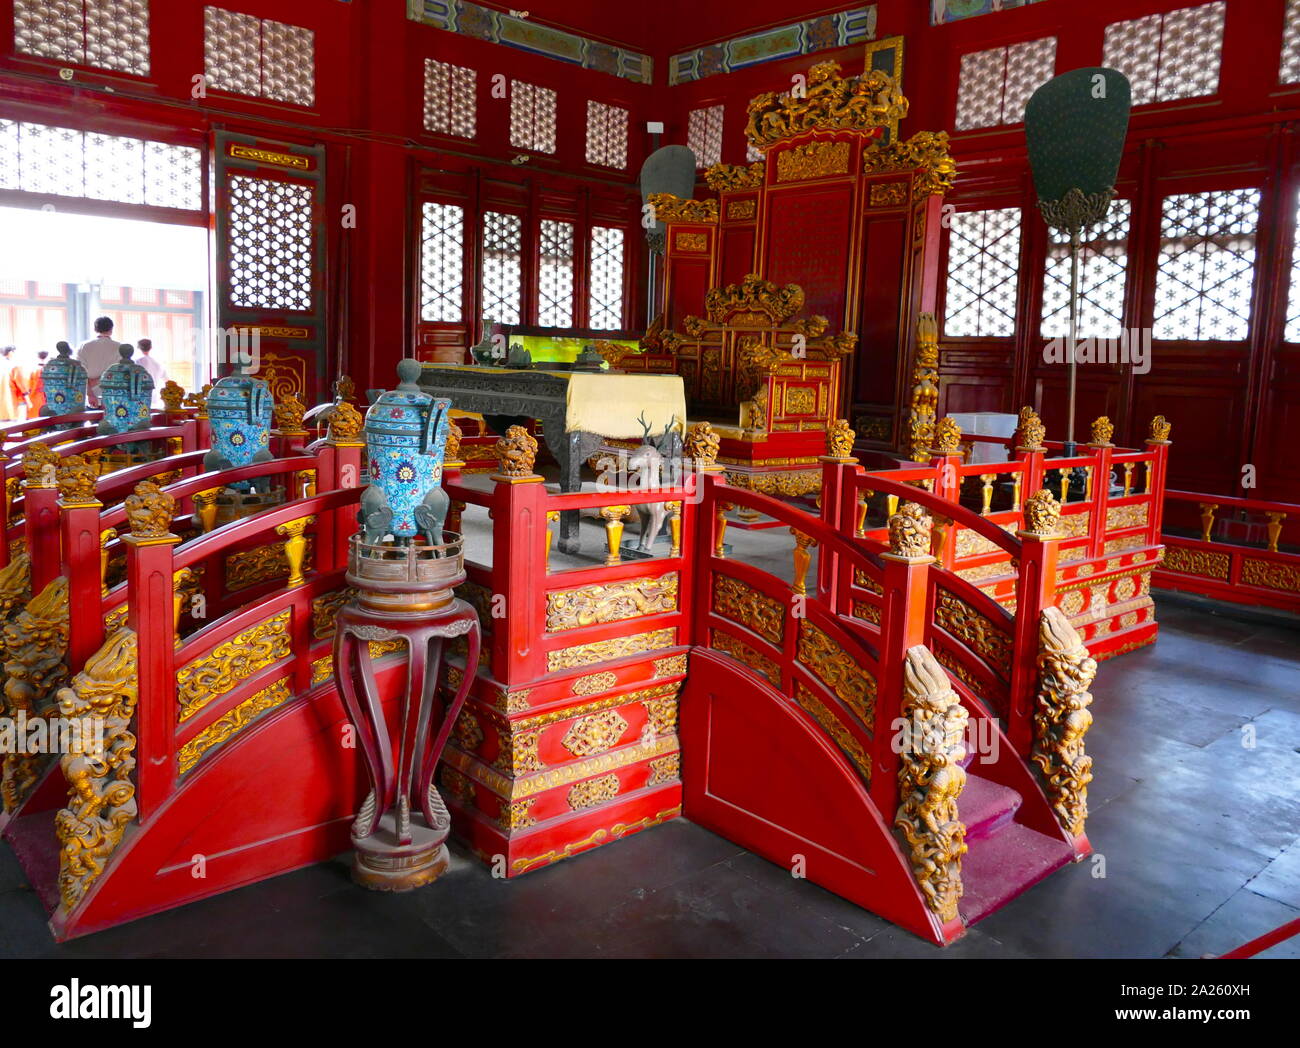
{"x":406,"y":594}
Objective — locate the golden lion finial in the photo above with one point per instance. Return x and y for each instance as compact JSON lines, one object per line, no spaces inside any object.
{"x":1031,"y":431}
{"x":288,"y":414}
{"x":1160,"y":428}
{"x":702,"y":444}
{"x":909,"y":531}
{"x":149,"y":511}
{"x":345,"y":423}
{"x":76,"y":479}
{"x":41,"y":465}
{"x":1102,"y":430}
{"x":1042,"y":514}
{"x":173,"y":395}
{"x":947,"y":437}
{"x":839,"y":439}
{"x":516,"y":452}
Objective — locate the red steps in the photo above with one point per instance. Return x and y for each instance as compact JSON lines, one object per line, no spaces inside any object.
{"x":1003,"y":858}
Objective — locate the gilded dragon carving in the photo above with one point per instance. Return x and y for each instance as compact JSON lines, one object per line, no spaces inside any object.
{"x":1062,"y":719}
{"x":926,"y":152}
{"x":829,"y":102}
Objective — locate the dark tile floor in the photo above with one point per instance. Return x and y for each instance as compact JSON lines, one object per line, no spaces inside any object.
{"x":1195,"y":820}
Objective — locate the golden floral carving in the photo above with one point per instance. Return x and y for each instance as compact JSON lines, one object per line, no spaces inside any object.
{"x":926,"y":152}
{"x":614,"y":648}
{"x":909,"y":531}
{"x":149,"y":511}
{"x":1126,"y":543}
{"x":735,"y":600}
{"x":828,"y":102}
{"x":931,"y":780}
{"x":661,"y":714}
{"x":1031,"y":432}
{"x":517,"y":815}
{"x":325,"y":609}
{"x":548,"y":779}
{"x":516,"y":453}
{"x":851,"y":682}
{"x":1065,"y":670}
{"x":1102,"y":430}
{"x":947,"y":437}
{"x":728,"y":178}
{"x":35,"y":645}
{"x":839,"y":439}
{"x":40,"y":466}
{"x":800,"y":400}
{"x":665,"y":769}
{"x":593,"y":792}
{"x":669,"y":208}
{"x":740,"y":210}
{"x":519,"y":753}
{"x":613,"y":602}
{"x":1134,"y":516}
{"x":467,"y":731}
{"x":672,"y":666}
{"x":981,"y":634}
{"x":742,"y":652}
{"x":792,"y":482}
{"x":691,"y":242}
{"x":101,"y":795}
{"x":812,"y":160}
{"x":594,"y":683}
{"x":702,"y":443}
{"x":263,"y":563}
{"x":231,"y":663}
{"x":594,"y":734}
{"x":925,"y":388}
{"x":230,"y":724}
{"x":754,"y":295}
{"x":1043,"y":514}
{"x":1160,"y":429}
{"x":842,"y":737}
{"x":1270,"y":574}
{"x":345,"y":423}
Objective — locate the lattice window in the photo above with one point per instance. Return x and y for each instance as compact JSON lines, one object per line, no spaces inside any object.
{"x":983,"y":273}
{"x":1293,"y":299}
{"x":752,"y":154}
{"x":63,"y":161}
{"x":555,"y":280}
{"x":259,"y":57}
{"x":1174,"y":55}
{"x":532,"y":117}
{"x":449,"y":99}
{"x":606,"y":135}
{"x":108,"y":34}
{"x":1290,"y":72}
{"x":271,"y":241}
{"x":1205,"y":272}
{"x":1103,"y":270}
{"x":704,"y":135}
{"x":605,"y":302}
{"x":442,"y":262}
{"x":502,"y":267}
{"x":995,"y":84}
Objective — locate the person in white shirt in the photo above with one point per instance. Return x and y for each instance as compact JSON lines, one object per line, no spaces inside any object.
{"x":156,"y":371}
{"x":97,"y":356}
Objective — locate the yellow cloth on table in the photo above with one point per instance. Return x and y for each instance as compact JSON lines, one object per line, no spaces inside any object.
{"x":612,"y":405}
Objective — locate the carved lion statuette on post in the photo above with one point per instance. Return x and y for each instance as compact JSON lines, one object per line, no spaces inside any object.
{"x":909,"y":532}
{"x":288,"y":414}
{"x":1102,"y":430}
{"x":149,"y":511}
{"x":173,"y":395}
{"x":345,"y":423}
{"x":839,"y":439}
{"x":516,"y":452}
{"x":947,"y":437}
{"x":702,"y":444}
{"x":1043,"y":515}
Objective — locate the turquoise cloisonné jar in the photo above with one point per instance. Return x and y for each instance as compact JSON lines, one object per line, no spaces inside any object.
{"x":127,"y":392}
{"x":406,"y":435}
{"x":239,"y":415}
{"x":64,"y":380}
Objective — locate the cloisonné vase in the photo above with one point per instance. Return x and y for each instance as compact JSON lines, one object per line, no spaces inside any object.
{"x":406,"y":435}
{"x":239,"y":415}
{"x":127,"y":392}
{"x":64,"y":381}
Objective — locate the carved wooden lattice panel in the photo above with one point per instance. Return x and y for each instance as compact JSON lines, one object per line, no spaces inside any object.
{"x":606,"y":135}
{"x":63,"y":161}
{"x":259,"y":57}
{"x":555,"y":274}
{"x":108,"y":34}
{"x":995,"y":84}
{"x":983,"y":273}
{"x":1206,"y":268}
{"x":532,"y":117}
{"x":271,"y":244}
{"x":1173,"y":55}
{"x":1290,"y":70}
{"x":449,"y":99}
{"x":1293,"y":298}
{"x":605,"y":307}
{"x":704,"y":135}
{"x":1103,"y":271}
{"x":442,"y":262}
{"x":502,"y":247}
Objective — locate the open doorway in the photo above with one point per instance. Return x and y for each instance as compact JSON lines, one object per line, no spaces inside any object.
{"x":150,"y":278}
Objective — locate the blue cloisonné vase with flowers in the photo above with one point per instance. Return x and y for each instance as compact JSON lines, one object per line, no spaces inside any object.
{"x":127,"y":392}
{"x":64,"y":380}
{"x":406,"y":436}
{"x":239,"y":415}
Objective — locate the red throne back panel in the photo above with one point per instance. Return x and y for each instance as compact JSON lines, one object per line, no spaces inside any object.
{"x":807,"y":243}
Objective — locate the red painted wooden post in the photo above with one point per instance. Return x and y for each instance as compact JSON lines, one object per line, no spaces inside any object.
{"x":1100,"y":498}
{"x":518,"y":515}
{"x":347,"y":466}
{"x":10,"y":469}
{"x":41,"y":530}
{"x":83,"y":568}
{"x":947,"y":485}
{"x":1031,"y":479}
{"x":1036,"y":590}
{"x":906,"y":584}
{"x":837,"y":476}
{"x":150,"y":594}
{"x":1159,"y":473}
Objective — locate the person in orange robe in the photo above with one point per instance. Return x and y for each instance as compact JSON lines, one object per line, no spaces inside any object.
{"x":13,"y":405}
{"x":35,"y":389}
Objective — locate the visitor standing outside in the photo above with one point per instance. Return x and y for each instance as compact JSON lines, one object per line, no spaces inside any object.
{"x":97,"y":356}
{"x":156,"y":371}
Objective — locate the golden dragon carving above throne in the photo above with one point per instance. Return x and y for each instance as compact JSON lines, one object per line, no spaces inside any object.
{"x":829,"y":102}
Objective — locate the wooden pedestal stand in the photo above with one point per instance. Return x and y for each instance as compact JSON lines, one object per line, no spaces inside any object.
{"x":403,"y":593}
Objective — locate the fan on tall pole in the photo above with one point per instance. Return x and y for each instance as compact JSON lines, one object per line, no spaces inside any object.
{"x":1075,"y":126}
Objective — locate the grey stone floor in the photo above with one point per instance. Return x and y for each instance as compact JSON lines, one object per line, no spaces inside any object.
{"x":1200,"y":837}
